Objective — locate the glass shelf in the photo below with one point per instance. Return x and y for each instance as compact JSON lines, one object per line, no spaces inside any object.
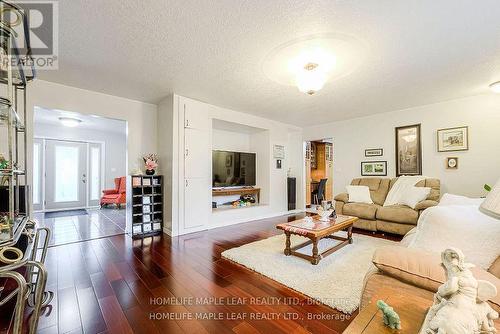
{"x":10,"y":237}
{"x":11,"y":172}
{"x":21,"y":73}
{"x":5,"y":109}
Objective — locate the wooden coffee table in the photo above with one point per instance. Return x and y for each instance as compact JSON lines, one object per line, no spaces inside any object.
{"x":315,"y":232}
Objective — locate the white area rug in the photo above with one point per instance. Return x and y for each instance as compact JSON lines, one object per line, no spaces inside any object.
{"x":336,"y":281}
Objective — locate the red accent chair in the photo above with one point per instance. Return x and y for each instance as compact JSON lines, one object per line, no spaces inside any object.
{"x":116,"y":196}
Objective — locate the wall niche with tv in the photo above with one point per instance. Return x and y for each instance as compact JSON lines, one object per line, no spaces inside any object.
{"x":238,"y":165}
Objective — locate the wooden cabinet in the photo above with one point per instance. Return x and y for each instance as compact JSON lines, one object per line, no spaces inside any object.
{"x":308,"y":172}
{"x":313,"y":155}
{"x":329,"y":170}
{"x":320,"y":166}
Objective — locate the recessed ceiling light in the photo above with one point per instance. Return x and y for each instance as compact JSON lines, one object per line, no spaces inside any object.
{"x":495,"y":87}
{"x":70,"y":122}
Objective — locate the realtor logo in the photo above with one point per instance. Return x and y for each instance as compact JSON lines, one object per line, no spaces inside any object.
{"x":42,"y":32}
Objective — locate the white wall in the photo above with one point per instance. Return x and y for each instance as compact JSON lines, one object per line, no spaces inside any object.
{"x":273,"y":181}
{"x":141,"y":117}
{"x":230,"y":141}
{"x":168,"y":158}
{"x":115,"y":146}
{"x":479,"y":165}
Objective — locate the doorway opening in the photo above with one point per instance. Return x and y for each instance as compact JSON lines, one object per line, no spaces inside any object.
{"x":318,"y":173}
{"x":79,"y":175}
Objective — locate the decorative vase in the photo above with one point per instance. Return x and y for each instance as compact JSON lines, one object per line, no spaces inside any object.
{"x":150,"y":172}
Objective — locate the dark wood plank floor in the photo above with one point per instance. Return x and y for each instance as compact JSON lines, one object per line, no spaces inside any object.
{"x":120,"y":285}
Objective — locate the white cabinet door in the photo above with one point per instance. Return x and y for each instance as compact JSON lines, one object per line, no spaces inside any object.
{"x":197,"y":152}
{"x":195,"y":115}
{"x":197,"y":203}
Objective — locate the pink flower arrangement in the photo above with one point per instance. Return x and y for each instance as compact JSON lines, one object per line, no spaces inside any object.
{"x":150,"y":161}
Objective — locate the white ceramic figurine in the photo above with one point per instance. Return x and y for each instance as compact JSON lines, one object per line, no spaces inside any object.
{"x":460,"y":304}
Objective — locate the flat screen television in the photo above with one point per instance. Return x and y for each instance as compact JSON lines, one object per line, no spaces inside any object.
{"x":233,"y":169}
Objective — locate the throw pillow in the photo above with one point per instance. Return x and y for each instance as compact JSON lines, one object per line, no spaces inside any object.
{"x":413,"y":195}
{"x":422,"y":269}
{"x":359,"y":194}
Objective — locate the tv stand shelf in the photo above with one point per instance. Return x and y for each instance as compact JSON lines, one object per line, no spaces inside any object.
{"x":237,"y":191}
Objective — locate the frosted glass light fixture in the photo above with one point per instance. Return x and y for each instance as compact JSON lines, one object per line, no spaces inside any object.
{"x":311,"y":79}
{"x":70,"y":122}
{"x":311,"y":62}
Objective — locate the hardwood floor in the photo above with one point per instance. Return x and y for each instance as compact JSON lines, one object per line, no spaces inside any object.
{"x":120,"y":285}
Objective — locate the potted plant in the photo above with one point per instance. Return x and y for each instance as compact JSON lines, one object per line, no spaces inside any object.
{"x":150,"y":163}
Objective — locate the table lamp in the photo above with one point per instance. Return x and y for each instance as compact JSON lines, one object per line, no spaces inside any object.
{"x":491,"y":205}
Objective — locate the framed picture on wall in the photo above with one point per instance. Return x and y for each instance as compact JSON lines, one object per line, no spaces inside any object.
{"x":374,"y":168}
{"x":279,"y":152}
{"x":452,"y":163}
{"x":453,"y":139}
{"x":374,"y":152}
{"x":408,"y":150}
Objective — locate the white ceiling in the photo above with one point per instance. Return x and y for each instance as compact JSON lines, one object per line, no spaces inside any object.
{"x":419,"y":52}
{"x":89,"y":122}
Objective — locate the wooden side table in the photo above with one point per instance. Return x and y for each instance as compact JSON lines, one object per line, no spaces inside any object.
{"x":411,"y":309}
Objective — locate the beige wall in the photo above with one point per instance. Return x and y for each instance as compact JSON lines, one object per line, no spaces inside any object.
{"x":479,"y":165}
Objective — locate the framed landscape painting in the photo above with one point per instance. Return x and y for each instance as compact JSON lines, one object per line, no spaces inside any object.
{"x":408,"y":150}
{"x":374,"y":168}
{"x":453,"y":139}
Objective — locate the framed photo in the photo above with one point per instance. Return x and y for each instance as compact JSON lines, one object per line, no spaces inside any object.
{"x":374,"y":152}
{"x":374,"y":168}
{"x":408,"y":150}
{"x":453,"y":139}
{"x":279,"y":152}
{"x":452,"y":163}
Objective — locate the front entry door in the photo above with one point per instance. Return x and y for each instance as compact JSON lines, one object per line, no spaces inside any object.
{"x":66,"y":179}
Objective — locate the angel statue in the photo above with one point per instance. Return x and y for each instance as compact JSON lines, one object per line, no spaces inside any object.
{"x":460,"y":304}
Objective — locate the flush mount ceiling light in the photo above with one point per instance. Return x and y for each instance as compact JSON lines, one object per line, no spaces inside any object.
{"x":495,"y":87}
{"x":70,"y":122}
{"x":312,"y":61}
{"x":311,"y":78}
